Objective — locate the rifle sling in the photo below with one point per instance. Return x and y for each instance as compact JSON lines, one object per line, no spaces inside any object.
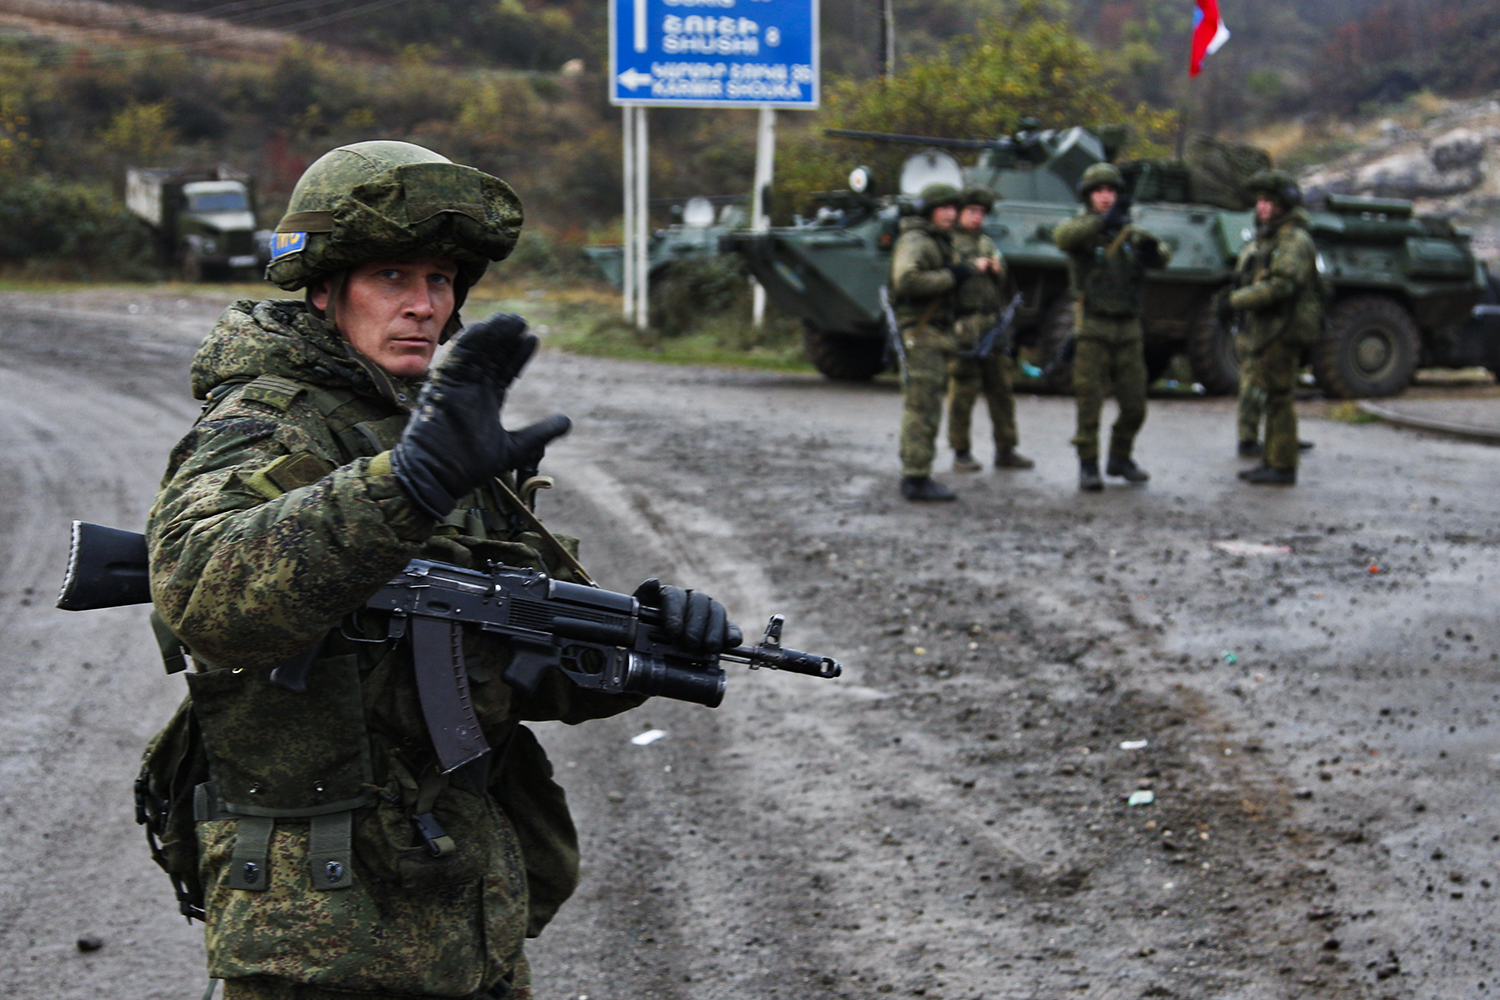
{"x":1118,"y":242}
{"x":535,"y":524}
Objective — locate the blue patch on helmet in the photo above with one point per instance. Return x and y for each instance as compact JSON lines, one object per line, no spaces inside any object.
{"x":285,"y":243}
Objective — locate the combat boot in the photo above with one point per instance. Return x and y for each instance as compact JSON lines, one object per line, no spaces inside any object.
{"x":1088,"y":475}
{"x":1009,"y":458}
{"x":925,"y":488}
{"x":1247,"y":473}
{"x":1269,"y":475}
{"x":963,"y":461}
{"x":1126,"y":469}
{"x":1250,"y":449}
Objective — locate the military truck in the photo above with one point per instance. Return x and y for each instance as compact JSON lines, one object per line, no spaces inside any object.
{"x":1403,"y":286}
{"x":203,"y":220}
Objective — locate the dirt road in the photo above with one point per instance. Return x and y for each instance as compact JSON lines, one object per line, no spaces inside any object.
{"x":950,"y":818}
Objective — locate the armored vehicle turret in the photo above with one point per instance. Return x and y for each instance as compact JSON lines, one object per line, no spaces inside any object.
{"x":1403,"y":287}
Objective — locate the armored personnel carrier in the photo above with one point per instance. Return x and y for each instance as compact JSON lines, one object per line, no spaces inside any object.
{"x":1404,"y":286}
{"x":702,"y":222}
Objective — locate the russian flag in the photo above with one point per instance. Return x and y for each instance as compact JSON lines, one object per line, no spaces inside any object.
{"x":1208,"y":33}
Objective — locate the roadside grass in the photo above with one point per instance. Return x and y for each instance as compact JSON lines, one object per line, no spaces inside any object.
{"x":711,"y":328}
{"x":1348,"y":412}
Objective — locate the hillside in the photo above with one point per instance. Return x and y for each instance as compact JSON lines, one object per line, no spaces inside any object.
{"x":1448,"y":162}
{"x":517,"y":87}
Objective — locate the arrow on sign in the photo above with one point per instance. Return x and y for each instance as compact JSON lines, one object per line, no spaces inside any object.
{"x":633,"y":78}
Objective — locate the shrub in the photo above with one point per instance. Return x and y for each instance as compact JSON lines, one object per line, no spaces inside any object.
{"x":71,"y":230}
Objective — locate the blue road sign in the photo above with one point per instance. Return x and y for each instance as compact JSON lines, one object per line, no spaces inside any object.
{"x":714,"y":53}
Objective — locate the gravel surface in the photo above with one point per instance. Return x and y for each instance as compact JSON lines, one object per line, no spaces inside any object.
{"x":1303,"y":680}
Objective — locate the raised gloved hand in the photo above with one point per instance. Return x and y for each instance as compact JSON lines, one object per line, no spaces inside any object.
{"x":693,"y":619}
{"x":454,"y":441}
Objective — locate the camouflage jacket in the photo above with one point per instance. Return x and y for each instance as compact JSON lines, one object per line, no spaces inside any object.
{"x":277,"y":518}
{"x":980,"y":294}
{"x":1108,"y":273}
{"x":1276,"y":286}
{"x":921,"y":282}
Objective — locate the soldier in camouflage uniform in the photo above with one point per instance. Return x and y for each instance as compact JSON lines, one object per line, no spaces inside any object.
{"x":978,"y":309}
{"x":925,"y":271}
{"x":337,"y":863}
{"x":1107,"y":262}
{"x":1280,"y":314}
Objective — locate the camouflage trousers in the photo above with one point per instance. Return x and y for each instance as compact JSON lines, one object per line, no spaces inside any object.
{"x":1252,"y":396}
{"x":924,"y":381}
{"x":967,"y":378}
{"x":1102,"y":368}
{"x":1274,"y":375}
{"x":279,"y":989}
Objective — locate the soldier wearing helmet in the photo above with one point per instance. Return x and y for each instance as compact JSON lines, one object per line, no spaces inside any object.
{"x":926,"y":270}
{"x":1108,"y":258}
{"x":336,"y":859}
{"x":978,"y":302}
{"x":1280,"y":314}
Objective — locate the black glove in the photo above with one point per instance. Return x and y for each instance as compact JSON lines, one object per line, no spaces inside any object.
{"x":1118,"y":214}
{"x":1151,"y":253}
{"x":454,"y":442}
{"x":692,"y":618}
{"x":961,"y":272}
{"x":1224,"y":311}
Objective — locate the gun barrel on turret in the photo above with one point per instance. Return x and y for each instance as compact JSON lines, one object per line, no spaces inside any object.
{"x":920,"y":140}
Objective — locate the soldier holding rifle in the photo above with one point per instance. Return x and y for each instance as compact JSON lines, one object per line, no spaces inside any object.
{"x":339,"y":860}
{"x":983,"y":363}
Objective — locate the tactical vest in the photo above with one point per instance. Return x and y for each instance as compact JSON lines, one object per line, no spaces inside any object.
{"x":317,"y":763}
{"x":1300,"y":319}
{"x":1109,"y":278}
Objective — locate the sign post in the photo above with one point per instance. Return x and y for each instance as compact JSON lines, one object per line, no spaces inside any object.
{"x":706,"y":54}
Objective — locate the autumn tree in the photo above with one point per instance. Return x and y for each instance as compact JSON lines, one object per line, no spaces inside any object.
{"x":1025,"y":63}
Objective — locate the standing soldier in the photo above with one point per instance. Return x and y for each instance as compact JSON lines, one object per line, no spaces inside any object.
{"x":925,"y":271}
{"x":978,"y":308}
{"x":1107,"y":261}
{"x":1280,"y":312}
{"x":337,"y":858}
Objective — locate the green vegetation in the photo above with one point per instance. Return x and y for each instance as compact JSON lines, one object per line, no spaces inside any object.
{"x":586,"y":321}
{"x":1025,"y":62}
{"x":1349,"y":412}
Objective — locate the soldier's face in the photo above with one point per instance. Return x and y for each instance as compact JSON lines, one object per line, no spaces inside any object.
{"x":1265,"y":208}
{"x":393,"y":312}
{"x":943,"y":216}
{"x":1102,"y":199}
{"x":971,"y":218}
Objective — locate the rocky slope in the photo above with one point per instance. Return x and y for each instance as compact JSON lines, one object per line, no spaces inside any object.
{"x":1450,"y":166}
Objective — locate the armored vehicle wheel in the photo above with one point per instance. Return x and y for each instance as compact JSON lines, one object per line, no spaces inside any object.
{"x":844,"y":357}
{"x":1158,"y":360}
{"x":1211,"y":354}
{"x":1370,"y":349}
{"x":1054,"y":347}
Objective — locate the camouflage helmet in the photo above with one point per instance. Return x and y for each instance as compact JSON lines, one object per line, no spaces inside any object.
{"x":1097,"y":176}
{"x":937,"y":195}
{"x":386,"y":200}
{"x":1278,"y":185}
{"x":983,"y":197}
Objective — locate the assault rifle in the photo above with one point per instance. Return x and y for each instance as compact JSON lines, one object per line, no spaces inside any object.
{"x":598,"y":639}
{"x":895,"y":347}
{"x":999,"y":334}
